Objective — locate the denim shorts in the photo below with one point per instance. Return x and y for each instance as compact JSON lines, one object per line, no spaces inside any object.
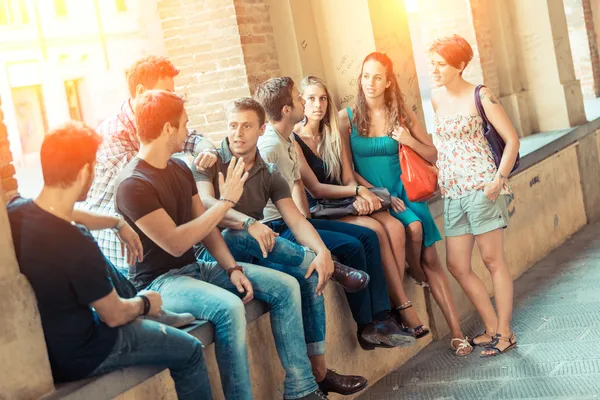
{"x":474,"y":214}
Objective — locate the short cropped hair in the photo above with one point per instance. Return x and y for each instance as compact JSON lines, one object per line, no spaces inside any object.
{"x":454,"y":49}
{"x":247,"y":104}
{"x":273,"y":95}
{"x":66,"y":150}
{"x":153,"y":109}
{"x":148,"y":70}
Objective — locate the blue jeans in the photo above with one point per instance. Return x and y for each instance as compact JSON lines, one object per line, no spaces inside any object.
{"x":352,"y":245}
{"x":145,"y":342}
{"x":292,"y":259}
{"x":204,"y":290}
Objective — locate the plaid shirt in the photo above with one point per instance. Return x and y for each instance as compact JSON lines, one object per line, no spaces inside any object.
{"x":119,"y":146}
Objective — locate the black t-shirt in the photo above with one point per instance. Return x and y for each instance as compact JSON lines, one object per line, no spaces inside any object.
{"x":142,"y":189}
{"x":317,"y":165}
{"x":67,"y":272}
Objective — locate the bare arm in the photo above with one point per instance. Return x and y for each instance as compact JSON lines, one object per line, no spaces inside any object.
{"x":421,"y":142}
{"x":233,"y":219}
{"x":317,"y":189}
{"x":176,"y":240}
{"x":306,"y":235}
{"x":498,"y":118}
{"x":300,"y":198}
{"x":116,"y":311}
{"x":216,"y":246}
{"x":348,"y":175}
{"x":94,"y":221}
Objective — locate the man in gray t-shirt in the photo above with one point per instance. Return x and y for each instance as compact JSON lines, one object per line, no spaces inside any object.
{"x":250,"y":240}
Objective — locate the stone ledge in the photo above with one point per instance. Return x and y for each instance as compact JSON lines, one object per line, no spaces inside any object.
{"x":112,"y":384}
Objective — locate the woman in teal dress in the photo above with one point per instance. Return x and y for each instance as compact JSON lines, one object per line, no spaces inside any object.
{"x":374,"y":128}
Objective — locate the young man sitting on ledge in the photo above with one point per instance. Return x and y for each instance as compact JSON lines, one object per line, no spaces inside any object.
{"x":89,"y":312}
{"x":158,"y":194}
{"x":250,"y":240}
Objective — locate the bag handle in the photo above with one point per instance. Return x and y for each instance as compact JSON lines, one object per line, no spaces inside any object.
{"x":479,"y":107}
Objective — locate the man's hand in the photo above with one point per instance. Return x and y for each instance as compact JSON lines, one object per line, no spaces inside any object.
{"x":155,"y":301}
{"x":264,"y":236}
{"x":233,"y":187}
{"x":130,"y":240}
{"x":241,"y":282}
{"x":323,"y":264}
{"x":206,"y":159}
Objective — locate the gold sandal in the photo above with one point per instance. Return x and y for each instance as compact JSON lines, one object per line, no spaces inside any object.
{"x":462,"y":345}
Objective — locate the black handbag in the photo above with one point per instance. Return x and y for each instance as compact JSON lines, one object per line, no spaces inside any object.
{"x":338,"y":208}
{"x":494,"y":139}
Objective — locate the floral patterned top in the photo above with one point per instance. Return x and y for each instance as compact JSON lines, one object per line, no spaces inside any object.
{"x":464,"y":155}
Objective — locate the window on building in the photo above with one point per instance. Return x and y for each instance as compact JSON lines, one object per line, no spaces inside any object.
{"x":121,"y":5}
{"x":72,"y":90}
{"x":5,"y":12}
{"x":60,"y":8}
{"x":24,"y":12}
{"x":13,"y":12}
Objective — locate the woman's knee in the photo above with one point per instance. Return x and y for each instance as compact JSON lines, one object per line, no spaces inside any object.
{"x":493,"y":261}
{"x":457,"y":268}
{"x":414,"y":232}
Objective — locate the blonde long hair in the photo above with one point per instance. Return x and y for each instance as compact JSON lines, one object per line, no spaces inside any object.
{"x":330,"y":146}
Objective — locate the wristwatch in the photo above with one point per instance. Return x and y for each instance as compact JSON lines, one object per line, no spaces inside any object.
{"x":120,"y":224}
{"x":234,"y":268}
{"x":248,"y":222}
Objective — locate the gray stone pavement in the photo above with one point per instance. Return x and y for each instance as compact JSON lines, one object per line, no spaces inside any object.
{"x":557,"y":322}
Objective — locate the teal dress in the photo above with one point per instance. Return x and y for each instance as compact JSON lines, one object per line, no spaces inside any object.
{"x":376,"y":160}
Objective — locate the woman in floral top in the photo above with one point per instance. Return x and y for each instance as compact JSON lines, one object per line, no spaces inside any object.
{"x":475,"y":191}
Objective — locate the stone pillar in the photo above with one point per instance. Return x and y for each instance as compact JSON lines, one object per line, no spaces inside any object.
{"x":7,"y":169}
{"x":223,"y":48}
{"x":592,"y":33}
{"x":439,"y":18}
{"x":583,"y":45}
{"x":24,"y":366}
{"x":511,"y":92}
{"x":546,"y":64}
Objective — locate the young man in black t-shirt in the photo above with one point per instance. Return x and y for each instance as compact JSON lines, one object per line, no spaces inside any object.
{"x":158,"y":194}
{"x":90,"y":329}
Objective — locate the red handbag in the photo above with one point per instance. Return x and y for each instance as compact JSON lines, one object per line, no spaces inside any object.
{"x":419,"y":177}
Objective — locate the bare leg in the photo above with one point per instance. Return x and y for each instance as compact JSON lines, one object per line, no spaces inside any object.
{"x":491,"y":247}
{"x":458,"y":260}
{"x":394,"y":272}
{"x":319,"y":367}
{"x":440,"y":289}
{"x":394,"y":231}
{"x":414,"y":249}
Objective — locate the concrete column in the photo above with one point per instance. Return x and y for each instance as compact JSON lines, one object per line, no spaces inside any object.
{"x":511,"y":92}
{"x":24,"y":366}
{"x":544,"y":54}
{"x":592,"y":21}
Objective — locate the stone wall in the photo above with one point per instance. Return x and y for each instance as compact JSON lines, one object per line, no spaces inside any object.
{"x":7,"y":169}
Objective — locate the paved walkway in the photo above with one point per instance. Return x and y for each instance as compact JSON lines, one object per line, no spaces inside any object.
{"x":557,"y":321}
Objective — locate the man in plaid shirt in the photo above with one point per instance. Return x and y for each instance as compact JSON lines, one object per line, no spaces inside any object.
{"x":121,"y":144}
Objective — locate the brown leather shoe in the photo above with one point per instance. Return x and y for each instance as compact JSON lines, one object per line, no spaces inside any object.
{"x":386,"y":334}
{"x":342,"y":384}
{"x":352,"y":280}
